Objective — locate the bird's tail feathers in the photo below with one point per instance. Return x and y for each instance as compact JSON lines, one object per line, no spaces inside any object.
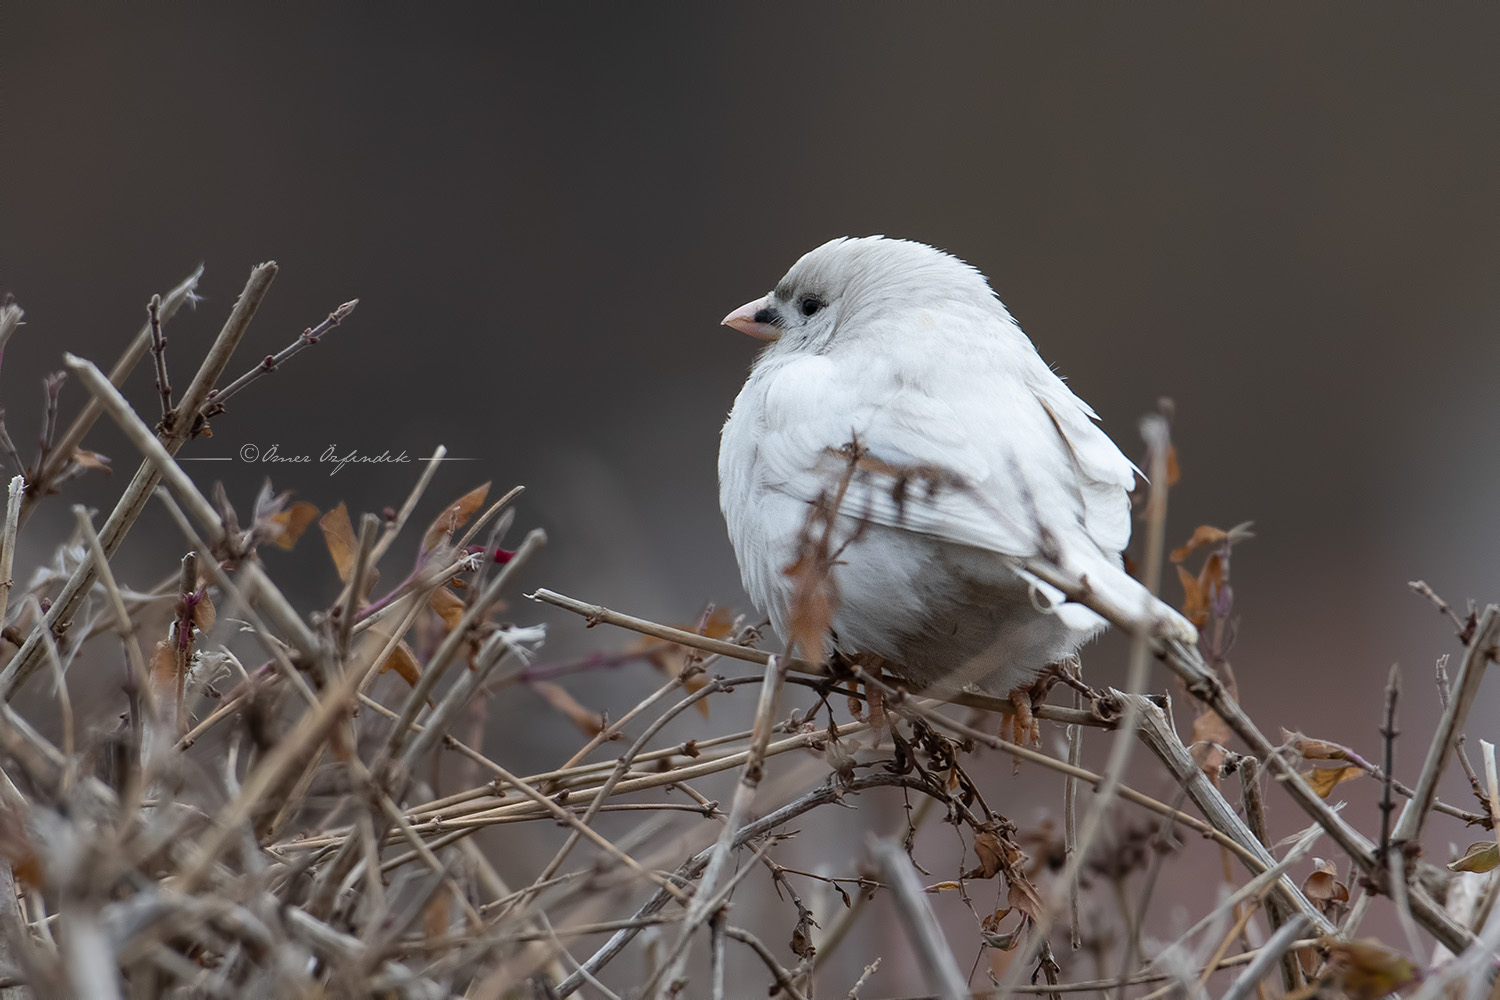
{"x":1125,"y":593}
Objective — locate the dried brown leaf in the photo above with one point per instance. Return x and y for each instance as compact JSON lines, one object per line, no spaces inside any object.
{"x":163,"y":669}
{"x":1206,"y":534}
{"x":1023,"y":896}
{"x":673,"y":658}
{"x":1312,"y":749}
{"x":91,"y":460}
{"x":814,"y":598}
{"x":1210,"y":734}
{"x":404,"y":662}
{"x":1481,"y":857}
{"x":204,"y":614}
{"x":293,"y":521}
{"x":590,"y":723}
{"x":17,"y":850}
{"x":717,"y":625}
{"x":801,"y":944}
{"x":1195,"y":599}
{"x":991,"y":854}
{"x":436,"y":916}
{"x":338,"y":533}
{"x":454,"y":516}
{"x":1324,"y":779}
{"x":448,"y":605}
{"x":1366,"y":970}
{"x":1324,"y":888}
{"x":992,"y":922}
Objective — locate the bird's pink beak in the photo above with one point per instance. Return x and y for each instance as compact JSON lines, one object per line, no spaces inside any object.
{"x":744,"y":319}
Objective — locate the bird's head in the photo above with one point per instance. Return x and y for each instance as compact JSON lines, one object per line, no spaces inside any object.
{"x":848,"y":282}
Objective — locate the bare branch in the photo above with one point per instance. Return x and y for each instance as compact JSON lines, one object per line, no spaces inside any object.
{"x":8,"y":542}
{"x":185,"y":291}
{"x":1478,"y":656}
{"x":133,"y":501}
{"x":159,"y":355}
{"x":214,"y":404}
{"x":739,"y":812}
{"x":1187,"y":664}
{"x":939,"y":967}
{"x":1388,"y":734}
{"x":51,"y":386}
{"x":1282,"y":942}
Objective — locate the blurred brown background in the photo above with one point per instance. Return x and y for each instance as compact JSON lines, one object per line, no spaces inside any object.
{"x":1286,"y":217}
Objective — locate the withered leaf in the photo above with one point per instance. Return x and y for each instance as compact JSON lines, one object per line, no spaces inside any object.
{"x":436,"y":916}
{"x":814,"y":598}
{"x":991,"y":923}
{"x":338,"y":533}
{"x":591,"y":724}
{"x":800,"y":945}
{"x":1206,"y":534}
{"x":716,"y":625}
{"x":1311,"y":960}
{"x":404,"y":662}
{"x":1480,"y":857}
{"x":1324,"y":779}
{"x":991,"y":854}
{"x":1210,"y":734}
{"x":1312,"y":749}
{"x":164,"y":669}
{"x":1195,"y":599}
{"x":1023,"y":895}
{"x":1324,"y":888}
{"x":17,"y":850}
{"x":204,"y":614}
{"x":673,"y":658}
{"x":1367,"y":969}
{"x":448,"y":605}
{"x":293,"y":521}
{"x":945,"y":886}
{"x":454,"y":516}
{"x":91,"y":460}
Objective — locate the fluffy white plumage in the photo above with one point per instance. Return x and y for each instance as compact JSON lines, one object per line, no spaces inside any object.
{"x":975,"y":451}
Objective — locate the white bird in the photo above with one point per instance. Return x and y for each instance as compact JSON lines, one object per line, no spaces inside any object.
{"x":969,"y":453}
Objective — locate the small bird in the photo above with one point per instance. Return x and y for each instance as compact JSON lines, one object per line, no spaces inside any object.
{"x":898,"y":405}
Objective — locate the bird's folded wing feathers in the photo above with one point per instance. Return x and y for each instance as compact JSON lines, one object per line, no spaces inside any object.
{"x":1105,"y":476}
{"x":920,"y":467}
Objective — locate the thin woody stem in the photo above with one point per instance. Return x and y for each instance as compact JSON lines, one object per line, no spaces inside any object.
{"x":159,"y":355}
{"x":217,"y":398}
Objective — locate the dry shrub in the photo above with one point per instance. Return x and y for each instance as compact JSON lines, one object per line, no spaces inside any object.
{"x":266,"y":818}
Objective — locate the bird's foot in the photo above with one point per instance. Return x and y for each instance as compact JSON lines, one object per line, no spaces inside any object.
{"x":1023,"y":725}
{"x":1024,"y":729}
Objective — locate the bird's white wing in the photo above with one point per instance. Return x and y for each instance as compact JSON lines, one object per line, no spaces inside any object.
{"x":999,"y":481}
{"x":1105,"y":475}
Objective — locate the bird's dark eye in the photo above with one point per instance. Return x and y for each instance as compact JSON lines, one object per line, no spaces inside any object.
{"x":811,"y":304}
